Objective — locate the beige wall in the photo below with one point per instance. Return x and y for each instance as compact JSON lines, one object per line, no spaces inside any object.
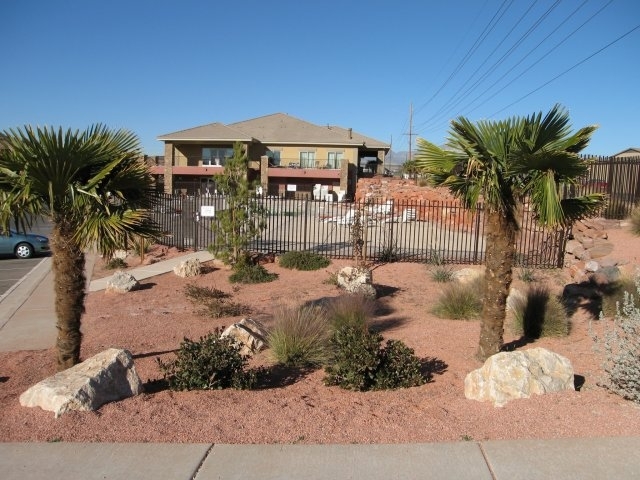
{"x":291,"y":153}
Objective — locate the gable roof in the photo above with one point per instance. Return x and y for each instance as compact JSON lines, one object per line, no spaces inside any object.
{"x":277,"y":128}
{"x":629,"y":152}
{"x":212,"y":131}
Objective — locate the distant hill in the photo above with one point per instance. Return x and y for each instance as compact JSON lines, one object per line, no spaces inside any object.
{"x":395,"y":159}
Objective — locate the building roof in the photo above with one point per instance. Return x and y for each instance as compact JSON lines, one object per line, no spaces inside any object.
{"x":277,"y":128}
{"x":629,"y":152}
{"x":212,"y":131}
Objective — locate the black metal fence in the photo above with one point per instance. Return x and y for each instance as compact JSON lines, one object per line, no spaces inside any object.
{"x":416,"y":231}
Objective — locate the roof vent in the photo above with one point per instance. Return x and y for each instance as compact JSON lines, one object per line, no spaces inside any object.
{"x":350,"y":133}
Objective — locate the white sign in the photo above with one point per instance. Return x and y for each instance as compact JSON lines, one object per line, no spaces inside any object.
{"x":291,"y":188}
{"x":207,"y":211}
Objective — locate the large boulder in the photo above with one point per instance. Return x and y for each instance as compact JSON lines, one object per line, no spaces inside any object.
{"x":188,"y":268}
{"x":358,"y":280}
{"x":121,"y":282}
{"x":509,"y":375}
{"x":106,"y":377}
{"x":248,"y":334}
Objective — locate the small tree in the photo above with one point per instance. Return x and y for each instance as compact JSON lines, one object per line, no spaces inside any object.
{"x":243,"y":218}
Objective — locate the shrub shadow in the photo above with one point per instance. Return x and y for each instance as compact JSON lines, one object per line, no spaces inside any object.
{"x":430,"y":366}
{"x":588,"y":295}
{"x":578,"y":382}
{"x":155,"y":386}
{"x":146,"y":286}
{"x":153,"y":354}
{"x":386,"y":290}
{"x":384,"y":324}
{"x":280,"y":376}
{"x":515,"y":344}
{"x":4,"y":379}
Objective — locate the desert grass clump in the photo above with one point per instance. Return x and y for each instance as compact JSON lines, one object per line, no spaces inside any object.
{"x":304,"y":260}
{"x":634,"y":220}
{"x":211,"y":363}
{"x":527,"y":275}
{"x":350,"y":310}
{"x":300,"y":336}
{"x":619,"y":348}
{"x":214,"y":303}
{"x":538,"y":314}
{"x":441,"y":274}
{"x":460,"y":300}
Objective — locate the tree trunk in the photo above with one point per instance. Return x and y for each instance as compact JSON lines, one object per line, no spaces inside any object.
{"x":69,"y":284}
{"x":500,"y":253}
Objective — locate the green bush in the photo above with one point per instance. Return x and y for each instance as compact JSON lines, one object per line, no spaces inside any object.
{"x":350,"y":310}
{"x":115,"y":264}
{"x":613,"y":295}
{"x":619,"y":348}
{"x":300,"y":336}
{"x":527,"y":275}
{"x":303,"y":261}
{"x":460,"y":301}
{"x":249,"y":273}
{"x":211,"y":363}
{"x":360,"y":363}
{"x":540,"y":314}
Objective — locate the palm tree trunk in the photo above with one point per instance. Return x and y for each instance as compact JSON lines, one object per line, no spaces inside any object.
{"x":500,"y":253}
{"x":69,"y":284}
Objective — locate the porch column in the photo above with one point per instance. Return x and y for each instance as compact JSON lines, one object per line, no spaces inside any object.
{"x":168,"y":167}
{"x":264,"y":173}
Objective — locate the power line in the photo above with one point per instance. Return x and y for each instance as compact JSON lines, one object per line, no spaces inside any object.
{"x":568,"y":70}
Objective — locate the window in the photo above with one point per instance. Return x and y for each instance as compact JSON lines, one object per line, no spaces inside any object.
{"x":335,"y":159}
{"x":274,"y":158}
{"x":307,"y":159}
{"x":216,"y":155}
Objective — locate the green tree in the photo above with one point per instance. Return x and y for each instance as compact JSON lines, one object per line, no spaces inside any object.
{"x":242,"y":219}
{"x":502,"y":163}
{"x":93,"y":188}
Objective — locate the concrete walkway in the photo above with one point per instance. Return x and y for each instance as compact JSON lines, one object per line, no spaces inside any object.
{"x":27,"y":321}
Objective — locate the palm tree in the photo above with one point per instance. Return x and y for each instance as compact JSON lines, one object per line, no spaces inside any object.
{"x":501,"y":163}
{"x":93,"y":188}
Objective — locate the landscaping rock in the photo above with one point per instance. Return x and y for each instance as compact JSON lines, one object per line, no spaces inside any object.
{"x":506,"y":376}
{"x":106,"y":377}
{"x":121,"y":282}
{"x":249,"y":334}
{"x":467,"y":275}
{"x":357,"y":280}
{"x":188,"y":268}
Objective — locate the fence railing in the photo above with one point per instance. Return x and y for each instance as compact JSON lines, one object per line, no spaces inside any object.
{"x":416,"y":231}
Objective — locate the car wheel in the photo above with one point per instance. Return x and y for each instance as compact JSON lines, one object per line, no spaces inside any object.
{"x":24,"y":250}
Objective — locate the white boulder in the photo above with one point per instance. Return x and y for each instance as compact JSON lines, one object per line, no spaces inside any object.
{"x":188,"y":268}
{"x":121,"y":282}
{"x":509,"y":375}
{"x":106,"y":377}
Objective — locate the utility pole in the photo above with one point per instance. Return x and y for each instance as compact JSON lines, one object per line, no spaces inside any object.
{"x":410,"y":129}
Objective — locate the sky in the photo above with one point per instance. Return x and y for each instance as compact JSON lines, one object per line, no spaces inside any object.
{"x":391,"y":70}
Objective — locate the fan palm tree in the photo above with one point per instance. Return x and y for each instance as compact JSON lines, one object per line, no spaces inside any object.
{"x":93,"y":188}
{"x":501,"y":163}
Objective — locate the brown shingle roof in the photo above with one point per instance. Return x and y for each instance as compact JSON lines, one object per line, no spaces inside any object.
{"x":212,"y":131}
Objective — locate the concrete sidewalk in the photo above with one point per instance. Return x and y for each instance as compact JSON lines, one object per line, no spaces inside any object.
{"x":579,"y":459}
{"x":27,"y":321}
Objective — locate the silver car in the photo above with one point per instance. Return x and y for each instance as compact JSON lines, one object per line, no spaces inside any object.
{"x":23,"y":245}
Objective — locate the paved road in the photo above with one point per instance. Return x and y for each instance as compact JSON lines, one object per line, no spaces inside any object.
{"x":13,"y":270}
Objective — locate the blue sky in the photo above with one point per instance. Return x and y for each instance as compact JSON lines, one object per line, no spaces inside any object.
{"x":156,"y":67}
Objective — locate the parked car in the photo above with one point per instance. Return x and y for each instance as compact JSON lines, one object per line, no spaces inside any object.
{"x":23,"y":245}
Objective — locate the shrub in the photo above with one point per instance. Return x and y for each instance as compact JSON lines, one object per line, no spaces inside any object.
{"x":613,"y":295}
{"x":442,"y":274}
{"x":460,"y":301}
{"x":540,"y":314}
{"x":634,"y":219}
{"x":619,"y":348}
{"x":208,"y":364}
{"x":527,"y":275}
{"x":300,"y":336}
{"x":350,"y":310}
{"x":249,"y":273}
{"x":360,"y":363}
{"x":332,"y":280}
{"x":303,"y":261}
{"x":115,"y":263}
{"x":216,"y":303}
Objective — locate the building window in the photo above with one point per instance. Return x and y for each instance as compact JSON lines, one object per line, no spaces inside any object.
{"x":307,"y":159}
{"x":274,"y":158}
{"x":216,"y":156}
{"x":335,"y":159}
